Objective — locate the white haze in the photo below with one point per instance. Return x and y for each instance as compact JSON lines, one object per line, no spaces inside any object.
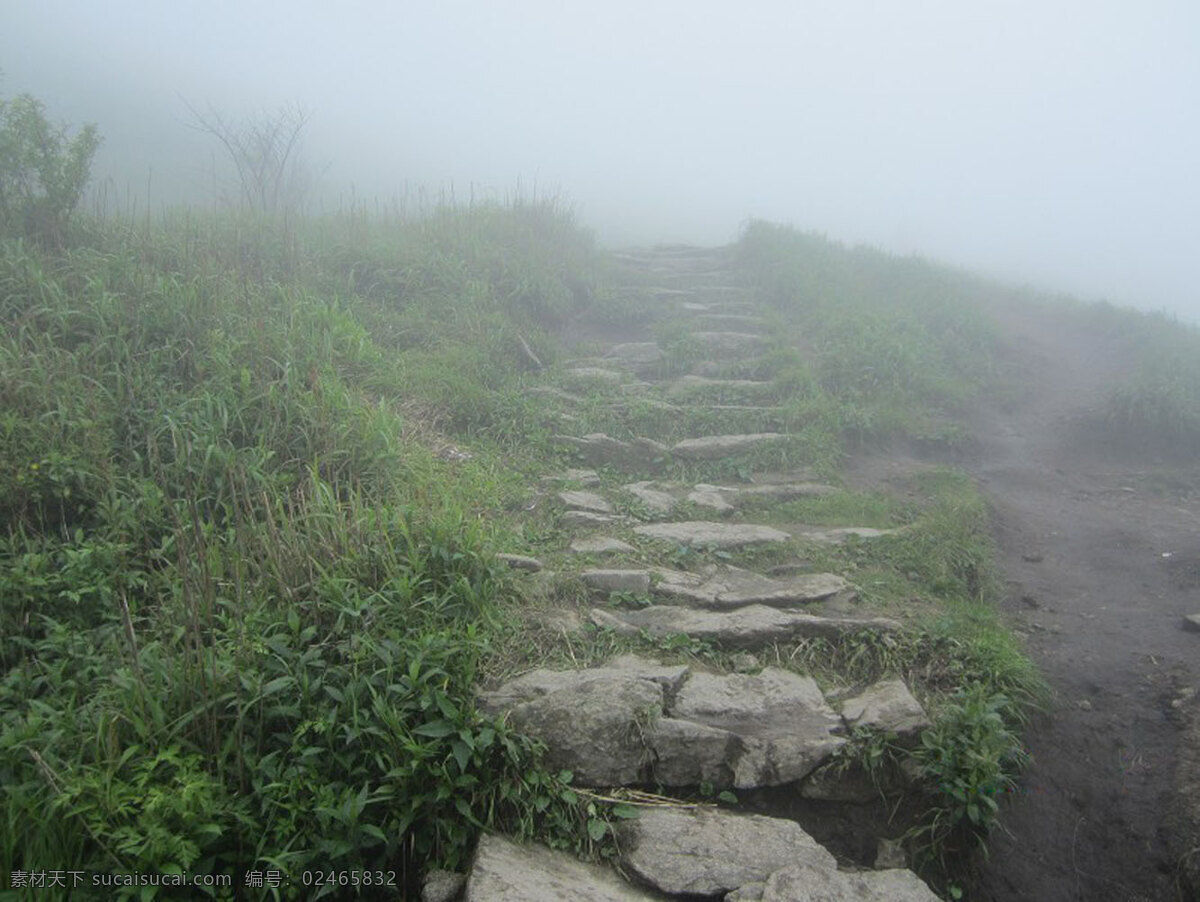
{"x":1048,"y":142}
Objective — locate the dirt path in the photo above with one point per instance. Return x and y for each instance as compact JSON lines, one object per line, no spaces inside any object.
{"x":1101,"y":552}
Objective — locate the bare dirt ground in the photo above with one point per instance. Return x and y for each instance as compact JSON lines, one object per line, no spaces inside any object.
{"x":1100,"y":548}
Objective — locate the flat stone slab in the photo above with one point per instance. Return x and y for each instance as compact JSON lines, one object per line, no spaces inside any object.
{"x":707,"y":851}
{"x":732,"y":587}
{"x":786,"y":726}
{"x":805,"y":882}
{"x":749,"y":627}
{"x":600,"y":545}
{"x":887,"y":706}
{"x":617,"y":580}
{"x":717,"y":447}
{"x":592,"y":721}
{"x":701,"y":496}
{"x":729,"y":343}
{"x":788,"y":491}
{"x":714,"y":535}
{"x":587,"y":519}
{"x":585,"y":501}
{"x":543,"y":681}
{"x":505,"y":871}
{"x":838,"y":535}
{"x":601,"y":450}
{"x":687,"y":386}
{"x":656,"y":500}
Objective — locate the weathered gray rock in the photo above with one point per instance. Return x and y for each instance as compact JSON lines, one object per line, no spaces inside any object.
{"x":505,"y":871}
{"x":707,"y":851}
{"x":750,"y":892}
{"x":607,"y":724}
{"x":749,"y":627}
{"x":805,"y":882}
{"x":717,"y":447}
{"x":729,"y":344}
{"x":655,"y":500}
{"x":709,"y":534}
{"x":705,"y":496}
{"x":587,"y":519}
{"x":585,"y":501}
{"x":685,"y":753}
{"x":586,"y":478}
{"x":786,"y":727}
{"x":617,"y":580}
{"x":1191,"y":622}
{"x":838,"y":535}
{"x":688,"y":386}
{"x":786,"y":491}
{"x":601,"y":450}
{"x":520,"y":562}
{"x":541,"y":682}
{"x":601,"y":545}
{"x":590,"y":727}
{"x":889,"y":707}
{"x":442,"y":886}
{"x":732,"y":587}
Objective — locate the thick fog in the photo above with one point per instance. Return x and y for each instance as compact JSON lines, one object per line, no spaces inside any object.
{"x":1056,"y":143}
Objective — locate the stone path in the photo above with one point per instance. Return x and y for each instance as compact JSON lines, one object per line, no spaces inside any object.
{"x":635,"y":722}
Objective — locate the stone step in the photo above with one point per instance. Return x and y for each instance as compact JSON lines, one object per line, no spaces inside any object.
{"x":718,"y":447}
{"x":691,"y":386}
{"x":839,"y":535}
{"x":753,"y":626}
{"x":507,"y":871}
{"x":732,"y":730}
{"x":600,"y":450}
{"x":707,"y":534}
{"x":579,"y":500}
{"x":727,"y":344}
{"x":787,"y":491}
{"x":722,"y":587}
{"x":600,"y":545}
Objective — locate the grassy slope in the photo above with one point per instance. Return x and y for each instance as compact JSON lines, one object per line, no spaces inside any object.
{"x":247,"y":582}
{"x":244,"y":588}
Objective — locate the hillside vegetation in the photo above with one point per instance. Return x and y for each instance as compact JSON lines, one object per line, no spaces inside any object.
{"x":253,"y":479}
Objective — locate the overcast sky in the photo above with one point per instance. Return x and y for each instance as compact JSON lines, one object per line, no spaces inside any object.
{"x":1045,"y":141}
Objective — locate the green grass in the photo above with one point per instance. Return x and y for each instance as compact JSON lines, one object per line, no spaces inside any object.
{"x":1158,"y":405}
{"x":245,"y":590}
{"x":896,"y":344}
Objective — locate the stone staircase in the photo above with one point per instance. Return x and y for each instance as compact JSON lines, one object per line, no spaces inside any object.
{"x":636,"y":722}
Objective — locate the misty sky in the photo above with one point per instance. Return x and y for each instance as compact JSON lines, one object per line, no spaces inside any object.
{"x":1056,"y":143}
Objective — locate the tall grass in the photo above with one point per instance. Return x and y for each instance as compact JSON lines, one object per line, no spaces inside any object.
{"x":243,"y":593}
{"x":897,"y":343}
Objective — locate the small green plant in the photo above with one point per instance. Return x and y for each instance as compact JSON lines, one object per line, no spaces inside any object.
{"x":969,"y":759}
